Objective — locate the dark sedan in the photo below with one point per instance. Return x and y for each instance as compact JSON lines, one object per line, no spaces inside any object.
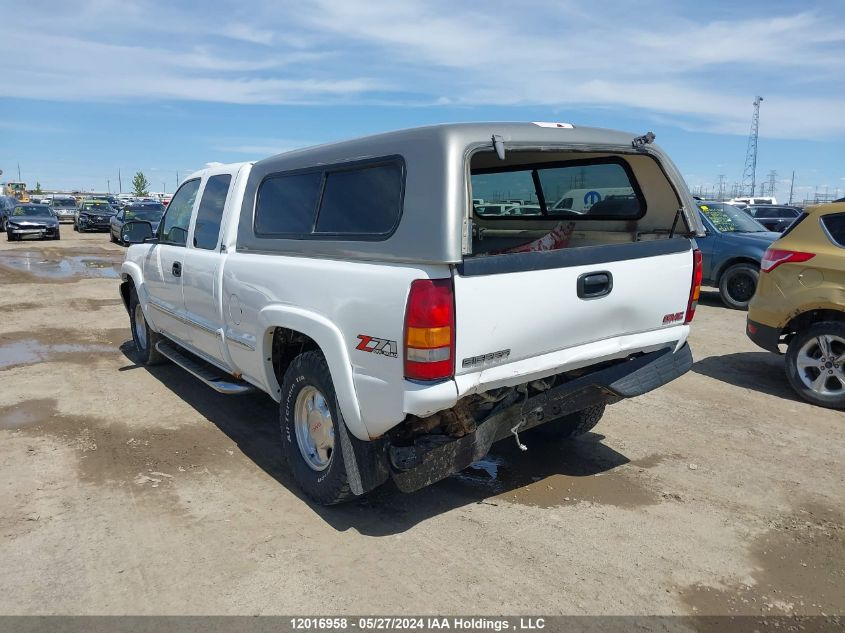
{"x":93,"y":215}
{"x":773,"y":217}
{"x":732,"y":251}
{"x":7,"y":203}
{"x":147,"y":211}
{"x":32,"y":220}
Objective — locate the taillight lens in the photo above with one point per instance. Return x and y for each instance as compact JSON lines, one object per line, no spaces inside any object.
{"x":695,"y":289}
{"x":774,"y":257}
{"x":430,"y":330}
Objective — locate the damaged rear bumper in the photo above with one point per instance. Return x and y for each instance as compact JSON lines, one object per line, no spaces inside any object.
{"x":434,"y":457}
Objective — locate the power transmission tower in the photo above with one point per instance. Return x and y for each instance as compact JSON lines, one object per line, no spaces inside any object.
{"x":749,"y":174}
{"x":791,"y":186}
{"x":721,"y":187}
{"x":771,"y":183}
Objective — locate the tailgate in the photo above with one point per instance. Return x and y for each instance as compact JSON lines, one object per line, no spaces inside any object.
{"x":525,"y":305}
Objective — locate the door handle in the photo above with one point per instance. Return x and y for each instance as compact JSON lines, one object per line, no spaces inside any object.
{"x":177,"y":269}
{"x":595,"y":285}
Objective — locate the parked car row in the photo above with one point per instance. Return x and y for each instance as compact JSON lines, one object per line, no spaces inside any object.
{"x":42,"y":220}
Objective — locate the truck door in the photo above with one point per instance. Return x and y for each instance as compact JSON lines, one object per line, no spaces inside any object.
{"x":163,"y":265}
{"x":201,"y":282}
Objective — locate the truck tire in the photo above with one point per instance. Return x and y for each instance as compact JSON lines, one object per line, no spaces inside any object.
{"x":737,"y":285}
{"x":574,"y":424}
{"x":815,"y":364}
{"x":310,"y":436}
{"x":144,"y":338}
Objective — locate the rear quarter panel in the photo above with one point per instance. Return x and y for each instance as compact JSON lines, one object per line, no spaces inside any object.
{"x":334,"y":302}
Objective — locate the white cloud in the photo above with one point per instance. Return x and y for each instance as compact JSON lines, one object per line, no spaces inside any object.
{"x":699,"y":73}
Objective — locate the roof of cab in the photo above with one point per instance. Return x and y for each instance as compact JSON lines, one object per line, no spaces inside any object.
{"x":217,"y":168}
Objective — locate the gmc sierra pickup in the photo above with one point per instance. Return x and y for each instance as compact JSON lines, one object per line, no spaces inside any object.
{"x":412,"y":297}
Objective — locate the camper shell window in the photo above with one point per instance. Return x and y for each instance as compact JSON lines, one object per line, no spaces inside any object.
{"x":592,"y":189}
{"x":361,"y":200}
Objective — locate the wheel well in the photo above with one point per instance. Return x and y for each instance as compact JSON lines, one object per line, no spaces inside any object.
{"x":806,"y":319}
{"x":126,"y":287}
{"x":287,"y":345}
{"x":731,"y":262}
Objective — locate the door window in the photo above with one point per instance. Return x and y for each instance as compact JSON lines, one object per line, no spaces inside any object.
{"x":174,"y":226}
{"x":210,"y":213}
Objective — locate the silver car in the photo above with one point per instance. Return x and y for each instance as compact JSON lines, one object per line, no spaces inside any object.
{"x":64,"y":207}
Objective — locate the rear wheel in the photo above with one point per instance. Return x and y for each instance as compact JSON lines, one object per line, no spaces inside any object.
{"x":574,"y":424}
{"x":144,"y":338}
{"x":310,"y":432}
{"x":815,"y":364}
{"x":737,"y":285}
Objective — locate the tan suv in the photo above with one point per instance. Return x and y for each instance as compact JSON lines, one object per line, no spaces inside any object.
{"x":800,"y":303}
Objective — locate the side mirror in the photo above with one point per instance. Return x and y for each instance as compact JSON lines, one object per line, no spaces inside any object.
{"x":136,"y":232}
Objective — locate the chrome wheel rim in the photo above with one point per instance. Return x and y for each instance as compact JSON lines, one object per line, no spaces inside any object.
{"x":312,"y":421}
{"x":140,"y":327}
{"x":821,"y":365}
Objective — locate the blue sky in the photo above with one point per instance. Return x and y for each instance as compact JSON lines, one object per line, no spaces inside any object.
{"x":165,"y":87}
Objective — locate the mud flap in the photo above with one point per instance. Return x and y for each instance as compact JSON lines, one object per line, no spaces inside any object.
{"x":366,"y":463}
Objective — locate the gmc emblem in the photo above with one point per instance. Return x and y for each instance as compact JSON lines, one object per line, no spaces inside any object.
{"x":672,"y":318}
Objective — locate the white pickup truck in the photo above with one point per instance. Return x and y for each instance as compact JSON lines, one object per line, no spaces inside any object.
{"x":401,"y":328}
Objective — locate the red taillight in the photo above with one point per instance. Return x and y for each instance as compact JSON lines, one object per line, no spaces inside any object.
{"x":695,"y":289}
{"x":430,"y":330}
{"x":774,"y":257}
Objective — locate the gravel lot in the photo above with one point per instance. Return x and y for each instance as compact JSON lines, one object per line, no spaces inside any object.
{"x":127,"y":490}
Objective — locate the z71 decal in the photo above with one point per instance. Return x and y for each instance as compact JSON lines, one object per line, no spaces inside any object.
{"x":375,"y":345}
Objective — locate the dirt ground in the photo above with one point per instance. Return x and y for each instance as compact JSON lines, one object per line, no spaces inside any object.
{"x":128,"y":490}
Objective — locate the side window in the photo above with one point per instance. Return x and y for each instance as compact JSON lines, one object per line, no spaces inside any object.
{"x":364,"y":201}
{"x":286,"y":204}
{"x":174,"y":226}
{"x":835,"y":227}
{"x":210,"y":213}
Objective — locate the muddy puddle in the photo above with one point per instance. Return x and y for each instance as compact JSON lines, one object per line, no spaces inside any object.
{"x":23,"y":348}
{"x":552,"y":474}
{"x":53,"y":266}
{"x":108,"y":452}
{"x":25,"y":414}
{"x":799,"y":570}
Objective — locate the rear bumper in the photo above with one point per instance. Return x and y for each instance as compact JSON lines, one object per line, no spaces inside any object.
{"x":765,"y":336}
{"x":433,"y":457}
